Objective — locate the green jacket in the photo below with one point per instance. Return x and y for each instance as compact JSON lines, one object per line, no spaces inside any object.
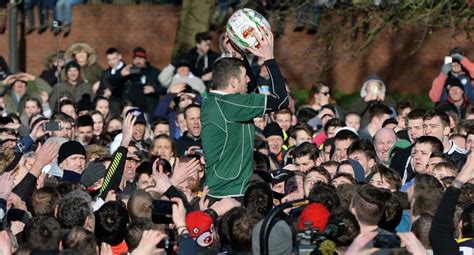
{"x":76,"y":91}
{"x":33,"y":89}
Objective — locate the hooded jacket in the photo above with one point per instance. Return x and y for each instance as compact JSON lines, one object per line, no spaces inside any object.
{"x":91,"y":72}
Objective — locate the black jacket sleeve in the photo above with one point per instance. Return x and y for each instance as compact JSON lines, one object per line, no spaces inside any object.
{"x":442,"y":228}
{"x":252,"y":85}
{"x":113,"y":175}
{"x":174,"y":192}
{"x":278,"y":98}
{"x":25,"y":188}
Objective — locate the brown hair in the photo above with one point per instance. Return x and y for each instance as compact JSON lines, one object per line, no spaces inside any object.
{"x":368,"y":203}
{"x":44,"y":201}
{"x":389,"y":175}
{"x":140,"y":204}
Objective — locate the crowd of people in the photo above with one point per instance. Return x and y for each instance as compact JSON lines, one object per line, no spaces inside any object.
{"x":192,"y":158}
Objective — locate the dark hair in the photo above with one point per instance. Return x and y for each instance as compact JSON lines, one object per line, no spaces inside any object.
{"x":258,"y":199}
{"x":435,"y":113}
{"x":368,"y":203}
{"x":191,"y":106}
{"x":304,"y":114}
{"x":301,"y":127}
{"x":283,"y":111}
{"x":378,"y":110}
{"x":334,"y":122}
{"x":425,"y":202}
{"x":61,"y":116}
{"x":159,"y":121}
{"x":166,"y":137}
{"x":85,"y":121}
{"x":421,"y":228}
{"x":346,"y":191}
{"x":345,"y":135}
{"x":436,"y":144}
{"x":240,"y":225}
{"x":322,"y":171}
{"x":392,"y":213}
{"x":66,"y":102}
{"x":44,"y":201}
{"x":351,"y":227}
{"x":37,"y":101}
{"x":467,"y":195}
{"x":111,"y":223}
{"x":389,"y":175}
{"x":98,"y":98}
{"x":142,"y":170}
{"x":426,"y":183}
{"x":111,"y":50}
{"x":135,"y":232}
{"x":260,"y":161}
{"x":73,"y":211}
{"x":316,"y":88}
{"x":203,"y":36}
{"x":224,"y":69}
{"x":457,"y":50}
{"x":325,"y":194}
{"x":415,"y":114}
{"x":43,"y":233}
{"x":362,"y":146}
{"x":81,"y":239}
{"x":403,"y":104}
{"x":330,"y":163}
{"x":467,"y":218}
{"x":306,"y":149}
{"x":440,"y":154}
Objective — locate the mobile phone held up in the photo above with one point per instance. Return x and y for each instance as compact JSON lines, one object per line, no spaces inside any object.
{"x":52,"y":126}
{"x":448,"y":60}
{"x":162,"y":211}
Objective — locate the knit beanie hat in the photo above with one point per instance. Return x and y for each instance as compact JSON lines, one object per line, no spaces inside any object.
{"x":272,"y":129}
{"x":72,"y":64}
{"x":314,"y":215}
{"x":70,"y":148}
{"x":453,"y":82}
{"x":201,"y":228}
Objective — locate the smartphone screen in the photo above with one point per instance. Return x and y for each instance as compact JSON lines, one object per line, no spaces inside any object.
{"x":162,"y":207}
{"x":448,"y":60}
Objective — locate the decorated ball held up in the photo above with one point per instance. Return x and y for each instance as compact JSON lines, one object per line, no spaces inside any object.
{"x":242,"y":24}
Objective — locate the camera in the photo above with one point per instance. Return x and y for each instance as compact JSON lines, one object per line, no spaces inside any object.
{"x":387,"y":241}
{"x":309,"y":240}
{"x":135,"y":70}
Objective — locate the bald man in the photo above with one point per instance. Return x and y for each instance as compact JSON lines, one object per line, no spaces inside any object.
{"x":384,"y":139}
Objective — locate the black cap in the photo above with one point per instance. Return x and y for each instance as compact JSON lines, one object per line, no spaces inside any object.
{"x":138,"y":114}
{"x":70,"y":148}
{"x":272,"y":129}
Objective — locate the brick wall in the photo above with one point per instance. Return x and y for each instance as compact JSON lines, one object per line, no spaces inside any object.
{"x":154,"y":28}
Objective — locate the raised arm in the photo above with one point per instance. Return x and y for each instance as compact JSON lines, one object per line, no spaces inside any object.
{"x":278,"y":97}
{"x":114,"y":172}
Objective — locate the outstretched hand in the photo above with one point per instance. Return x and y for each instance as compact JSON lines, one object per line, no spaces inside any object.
{"x":127,"y":130}
{"x":150,"y":239}
{"x":467,"y":172}
{"x":6,"y":182}
{"x":182,"y":171}
{"x":44,"y":155}
{"x":265,"y":41}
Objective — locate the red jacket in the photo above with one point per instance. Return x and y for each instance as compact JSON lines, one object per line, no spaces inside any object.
{"x":438,"y":83}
